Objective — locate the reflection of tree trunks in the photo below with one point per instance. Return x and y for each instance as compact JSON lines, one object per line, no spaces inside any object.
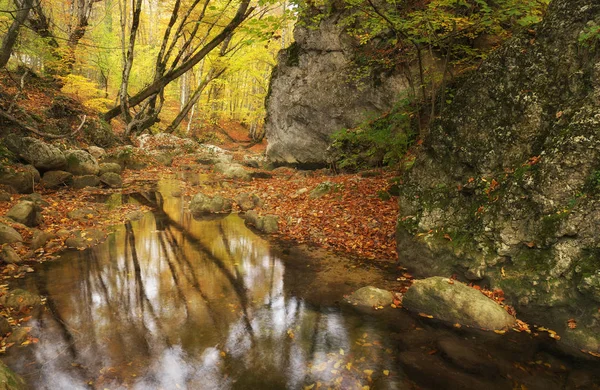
{"x":194,"y":281}
{"x":237,"y":284}
{"x":85,"y":270}
{"x":42,"y":286}
{"x":180,"y":293}
{"x":141,"y":289}
{"x":315,"y":336}
{"x":111,"y":311}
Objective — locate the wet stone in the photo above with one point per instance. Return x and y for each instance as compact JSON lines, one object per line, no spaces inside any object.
{"x":85,"y":239}
{"x":370,"y":297}
{"x":10,"y":256}
{"x":18,"y":299}
{"x":455,"y":302}
{"x":8,"y":235}
{"x":4,"y":326}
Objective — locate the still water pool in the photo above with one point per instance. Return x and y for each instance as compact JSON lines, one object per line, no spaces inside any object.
{"x":171,"y":302}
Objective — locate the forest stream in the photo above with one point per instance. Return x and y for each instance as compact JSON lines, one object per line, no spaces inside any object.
{"x":171,"y":302}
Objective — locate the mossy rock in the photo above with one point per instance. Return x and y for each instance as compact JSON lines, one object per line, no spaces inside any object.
{"x":455,"y":302}
{"x":9,"y":380}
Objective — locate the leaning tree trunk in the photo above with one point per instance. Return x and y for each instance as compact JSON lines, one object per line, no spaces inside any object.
{"x":9,"y":40}
{"x":159,"y":84}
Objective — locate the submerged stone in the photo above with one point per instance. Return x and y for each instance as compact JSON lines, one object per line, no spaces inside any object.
{"x":370,"y":297}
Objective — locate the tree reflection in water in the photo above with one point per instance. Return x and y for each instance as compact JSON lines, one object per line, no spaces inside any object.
{"x":173,"y":302}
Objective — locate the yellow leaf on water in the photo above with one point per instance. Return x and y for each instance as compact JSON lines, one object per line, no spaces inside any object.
{"x":499,"y":331}
{"x":386,"y":372}
{"x":425,"y":315}
{"x":341,"y":352}
{"x":368,"y":372}
{"x":348,"y":366}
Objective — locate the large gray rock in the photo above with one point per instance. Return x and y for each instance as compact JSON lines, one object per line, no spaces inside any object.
{"x":509,"y":180}
{"x":233,"y":171}
{"x":8,"y":235}
{"x":202,"y":204}
{"x":81,"y":163}
{"x":42,"y":156}
{"x":312,"y":93}
{"x":56,"y":179}
{"x":455,"y":302}
{"x":26,"y":212}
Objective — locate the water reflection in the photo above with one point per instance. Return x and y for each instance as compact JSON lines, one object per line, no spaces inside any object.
{"x":173,"y":302}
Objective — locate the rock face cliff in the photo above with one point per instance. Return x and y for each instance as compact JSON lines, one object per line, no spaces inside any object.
{"x":314,"y":92}
{"x":507,"y":188}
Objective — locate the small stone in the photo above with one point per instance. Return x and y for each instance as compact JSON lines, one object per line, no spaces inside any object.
{"x":10,"y":256}
{"x":4,"y":326}
{"x":112,"y":180}
{"x":4,"y":196}
{"x":18,"y":299}
{"x":96,"y":151}
{"x":18,"y":336}
{"x":8,"y":235}
{"x":40,"y":238}
{"x":370,"y":297}
{"x":80,"y":182}
{"x":55,"y":179}
{"x":26,"y":213}
{"x":85,"y":239}
{"x":270,"y":224}
{"x":247,"y":201}
{"x":110,"y":167}
{"x":82,"y":214}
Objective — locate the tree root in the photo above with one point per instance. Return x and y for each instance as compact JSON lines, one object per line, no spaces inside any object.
{"x":31,"y":129}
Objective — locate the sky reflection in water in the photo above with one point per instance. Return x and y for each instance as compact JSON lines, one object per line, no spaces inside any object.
{"x":170,"y":302}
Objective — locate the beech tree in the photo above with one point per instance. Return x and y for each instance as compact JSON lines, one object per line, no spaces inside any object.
{"x":23,"y":7}
{"x":181,"y":49}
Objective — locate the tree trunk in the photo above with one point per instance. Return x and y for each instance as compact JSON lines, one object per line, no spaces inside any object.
{"x":159,"y":84}
{"x":13,"y":31}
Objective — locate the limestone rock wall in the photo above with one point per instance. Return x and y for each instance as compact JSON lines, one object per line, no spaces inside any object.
{"x":313,"y":93}
{"x":507,"y":189}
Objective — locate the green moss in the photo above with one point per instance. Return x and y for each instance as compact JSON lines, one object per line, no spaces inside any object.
{"x":589,"y":262}
{"x":534,"y":259}
{"x":293,"y":55}
{"x":592,"y":184}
